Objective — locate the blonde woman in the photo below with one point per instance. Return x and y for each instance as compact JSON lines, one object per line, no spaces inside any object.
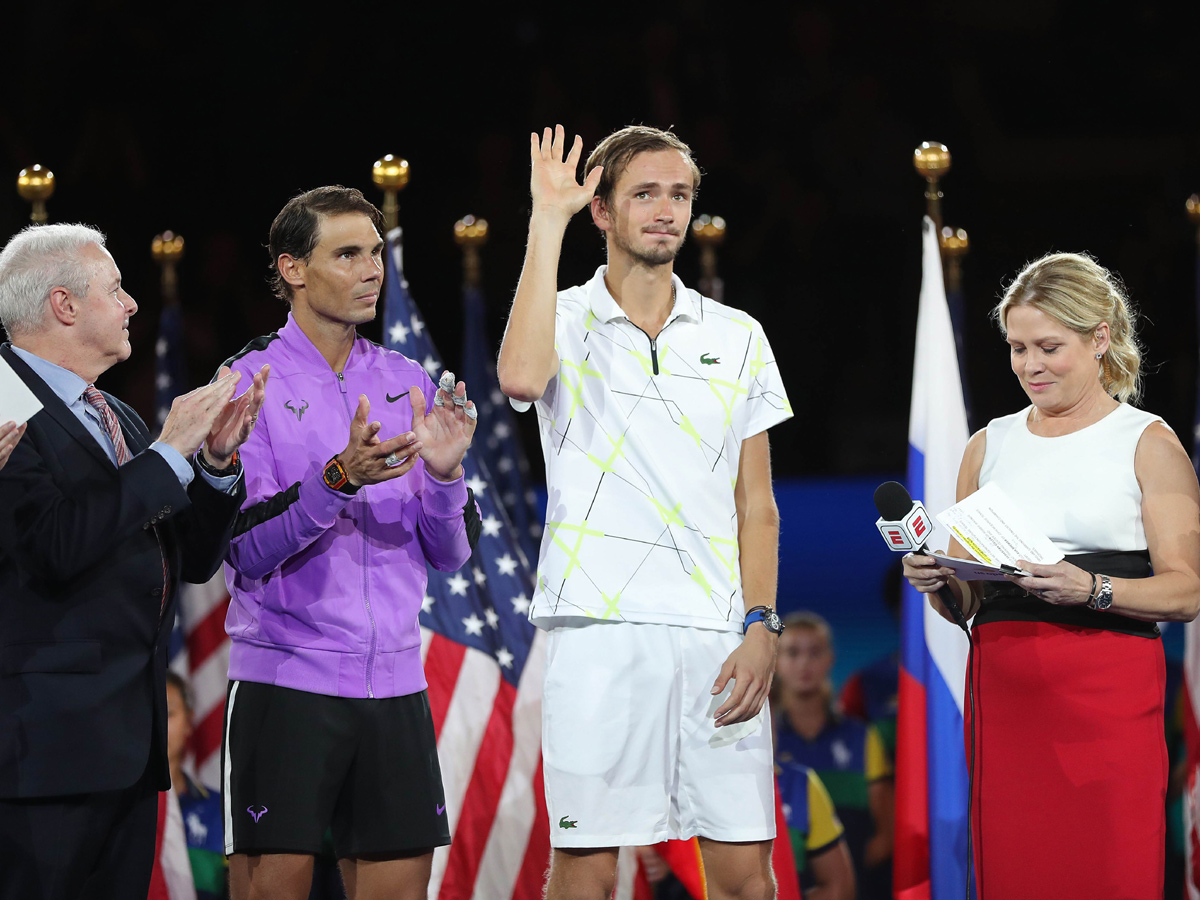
{"x":1070,"y":764}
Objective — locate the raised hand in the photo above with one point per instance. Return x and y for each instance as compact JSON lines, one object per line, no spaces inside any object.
{"x":193,"y":414}
{"x":553,"y":181}
{"x":10,"y":433}
{"x":367,"y":459}
{"x":444,"y":434}
{"x":235,"y":421}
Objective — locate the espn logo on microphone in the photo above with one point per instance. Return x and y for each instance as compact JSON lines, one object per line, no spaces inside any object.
{"x":909,"y":533}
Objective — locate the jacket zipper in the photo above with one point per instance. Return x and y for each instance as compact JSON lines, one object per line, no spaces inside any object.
{"x":366,"y":590}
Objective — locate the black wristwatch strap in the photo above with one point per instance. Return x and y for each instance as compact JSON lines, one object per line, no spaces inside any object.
{"x":235,"y":465}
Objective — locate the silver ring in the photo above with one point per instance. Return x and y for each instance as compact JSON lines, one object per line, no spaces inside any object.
{"x":392,"y":460}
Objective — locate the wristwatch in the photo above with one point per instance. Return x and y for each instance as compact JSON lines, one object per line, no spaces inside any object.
{"x":1103,"y":598}
{"x":767,"y":616}
{"x":235,"y":465}
{"x":335,"y":476}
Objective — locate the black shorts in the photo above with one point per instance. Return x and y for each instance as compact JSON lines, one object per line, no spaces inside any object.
{"x":295,"y":764}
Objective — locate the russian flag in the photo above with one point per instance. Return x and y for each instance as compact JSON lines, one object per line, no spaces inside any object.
{"x":931,"y":766}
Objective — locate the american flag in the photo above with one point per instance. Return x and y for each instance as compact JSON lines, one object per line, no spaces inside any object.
{"x":497,"y":428}
{"x":483,"y":661}
{"x":199,"y":649}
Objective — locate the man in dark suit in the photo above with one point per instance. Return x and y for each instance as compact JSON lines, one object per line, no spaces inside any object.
{"x":98,"y":525}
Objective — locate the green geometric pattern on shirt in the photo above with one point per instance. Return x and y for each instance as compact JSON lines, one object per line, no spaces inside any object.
{"x":669,"y":516}
{"x":610,"y":607}
{"x":607,"y":464}
{"x":731,"y":561}
{"x":576,"y":390}
{"x":698,"y":577}
{"x":690,"y":430}
{"x":581,"y":531}
{"x":735,"y":389}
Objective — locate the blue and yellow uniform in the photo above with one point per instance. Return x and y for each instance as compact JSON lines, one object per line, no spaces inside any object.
{"x":847,"y":756}
{"x":202,"y":823}
{"x":812,"y":823}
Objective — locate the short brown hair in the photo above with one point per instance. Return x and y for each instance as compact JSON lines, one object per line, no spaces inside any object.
{"x":297,"y":229}
{"x":617,"y":150}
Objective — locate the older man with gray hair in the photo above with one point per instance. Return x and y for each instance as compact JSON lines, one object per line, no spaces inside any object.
{"x":98,"y":525}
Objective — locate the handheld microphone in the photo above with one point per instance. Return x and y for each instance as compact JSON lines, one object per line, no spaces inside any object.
{"x":905,"y":527}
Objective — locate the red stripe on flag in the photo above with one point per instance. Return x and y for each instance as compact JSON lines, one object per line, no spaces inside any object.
{"x":537,"y":853}
{"x":911,"y":855}
{"x":683,"y":859}
{"x":158,"y":882}
{"x":206,"y":636}
{"x":482,"y":798}
{"x":206,"y":734}
{"x":442,"y":663}
{"x":783,"y":861}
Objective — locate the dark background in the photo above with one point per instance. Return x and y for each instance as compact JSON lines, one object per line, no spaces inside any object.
{"x":1070,"y":124}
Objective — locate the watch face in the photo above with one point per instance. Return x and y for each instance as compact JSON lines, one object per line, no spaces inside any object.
{"x":333,"y":475}
{"x":771,"y":620}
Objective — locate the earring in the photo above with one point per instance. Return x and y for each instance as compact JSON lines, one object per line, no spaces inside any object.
{"x":1099,"y":356}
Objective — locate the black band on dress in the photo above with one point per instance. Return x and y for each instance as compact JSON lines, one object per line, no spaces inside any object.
{"x":1006,"y":602}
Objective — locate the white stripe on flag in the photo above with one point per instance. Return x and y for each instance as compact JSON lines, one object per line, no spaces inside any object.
{"x":426,"y":639}
{"x":173,"y":857}
{"x":938,"y":429}
{"x":226,"y":797}
{"x":458,"y":744}
{"x":209,"y":684}
{"x":509,"y":835}
{"x":196,"y":601}
{"x":627,"y":865}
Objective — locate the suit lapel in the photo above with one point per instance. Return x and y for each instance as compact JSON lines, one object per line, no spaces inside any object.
{"x":54,"y":407}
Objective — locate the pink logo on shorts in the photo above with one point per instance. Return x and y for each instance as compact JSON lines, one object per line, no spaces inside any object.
{"x":256,"y":815}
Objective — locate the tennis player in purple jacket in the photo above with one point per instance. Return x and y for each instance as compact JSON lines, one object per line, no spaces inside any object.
{"x":327,"y":723}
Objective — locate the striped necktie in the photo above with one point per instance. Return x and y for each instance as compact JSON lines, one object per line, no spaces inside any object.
{"x":113,"y":428}
{"x":109,"y":420}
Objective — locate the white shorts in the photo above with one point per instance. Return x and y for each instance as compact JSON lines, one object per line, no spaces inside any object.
{"x":629,"y":749}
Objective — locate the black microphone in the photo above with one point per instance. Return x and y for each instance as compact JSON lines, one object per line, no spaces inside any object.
{"x":905,"y":527}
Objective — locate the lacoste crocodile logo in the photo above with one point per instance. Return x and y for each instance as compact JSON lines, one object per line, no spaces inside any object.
{"x":256,"y":815}
{"x":707,"y":360}
{"x":299,"y":412}
{"x":564,"y":822}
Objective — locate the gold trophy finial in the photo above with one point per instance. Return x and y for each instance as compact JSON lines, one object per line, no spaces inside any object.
{"x":932,"y":162}
{"x":709,"y":232}
{"x":167,"y":250}
{"x":471,"y":233}
{"x":36,"y":185}
{"x":955,"y":245}
{"x":390,"y":175}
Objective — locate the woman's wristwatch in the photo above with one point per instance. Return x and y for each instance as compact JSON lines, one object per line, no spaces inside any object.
{"x":1102,"y":599}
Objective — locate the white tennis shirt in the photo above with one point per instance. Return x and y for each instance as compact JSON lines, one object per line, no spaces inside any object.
{"x":642,"y":440}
